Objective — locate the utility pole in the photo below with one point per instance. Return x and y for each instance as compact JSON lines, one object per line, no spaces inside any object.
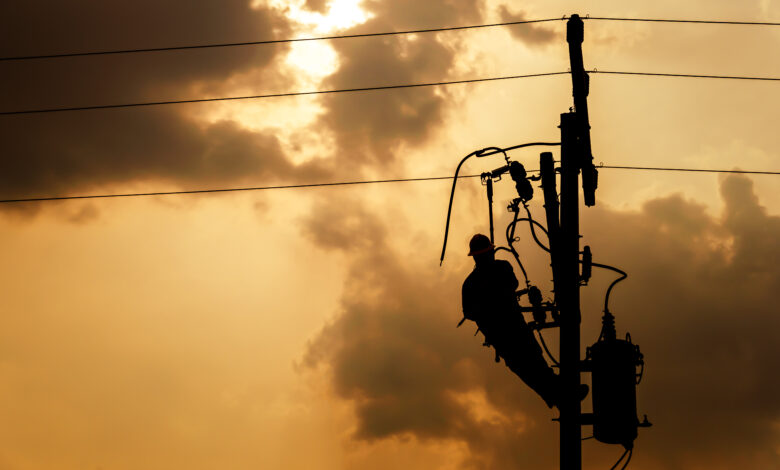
{"x":567,"y":297}
{"x":575,"y":156}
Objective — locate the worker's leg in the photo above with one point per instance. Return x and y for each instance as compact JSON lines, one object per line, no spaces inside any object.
{"x":524,"y":357}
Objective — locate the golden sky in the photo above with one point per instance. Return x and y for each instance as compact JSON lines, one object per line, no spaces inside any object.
{"x":313,"y":328}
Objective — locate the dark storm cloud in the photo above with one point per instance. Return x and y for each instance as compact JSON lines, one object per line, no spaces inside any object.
{"x":531,"y":34}
{"x":138,"y":145}
{"x":54,"y":27}
{"x":395,"y":352}
{"x":370,"y":127}
{"x":703,"y":295}
{"x":700,"y":301}
{"x":65,"y":153}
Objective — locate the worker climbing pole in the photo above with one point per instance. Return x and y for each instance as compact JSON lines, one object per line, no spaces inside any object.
{"x":491,"y":297}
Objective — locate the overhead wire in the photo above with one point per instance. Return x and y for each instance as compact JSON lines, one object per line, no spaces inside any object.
{"x":686,"y":75}
{"x":338,"y":183}
{"x":227,"y":190}
{"x":697,"y":170}
{"x":276,"y":95}
{"x":272,"y":41}
{"x":669,"y":20}
{"x":371,"y":88}
{"x":365,"y":35}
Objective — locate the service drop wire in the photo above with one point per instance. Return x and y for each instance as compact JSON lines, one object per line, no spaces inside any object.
{"x":619,"y":460}
{"x":544,"y":345}
{"x":623,"y":275}
{"x":532,"y":222}
{"x":485,"y":152}
{"x":510,"y":239}
{"x":522,"y":268}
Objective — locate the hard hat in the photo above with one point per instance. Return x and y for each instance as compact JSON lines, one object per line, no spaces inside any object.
{"x":479,"y":244}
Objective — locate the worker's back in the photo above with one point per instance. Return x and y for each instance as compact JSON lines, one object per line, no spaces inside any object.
{"x":489,"y":298}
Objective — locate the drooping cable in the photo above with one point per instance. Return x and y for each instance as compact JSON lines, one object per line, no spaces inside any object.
{"x":619,"y":460}
{"x":546,"y":350}
{"x":630,"y":454}
{"x":449,"y":207}
{"x":510,"y":239}
{"x":533,"y":222}
{"x":522,"y":268}
{"x":623,"y":275}
{"x":485,"y":152}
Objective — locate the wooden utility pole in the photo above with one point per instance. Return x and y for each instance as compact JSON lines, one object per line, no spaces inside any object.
{"x":575,"y":156}
{"x":567,"y":297}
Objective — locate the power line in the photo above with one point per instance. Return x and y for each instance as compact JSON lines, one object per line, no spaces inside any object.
{"x":664,"y":20}
{"x":275,"y":95}
{"x":687,"y":75}
{"x":374,"y":88}
{"x":347,"y":183}
{"x":272,"y":41}
{"x":365,"y":35}
{"x":698,"y":170}
{"x":228,"y":190}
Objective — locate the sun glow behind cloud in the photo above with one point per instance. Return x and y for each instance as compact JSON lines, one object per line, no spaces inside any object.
{"x":307,"y":64}
{"x":341,"y":14}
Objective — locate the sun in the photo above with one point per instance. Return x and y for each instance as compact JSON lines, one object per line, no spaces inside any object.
{"x":317,"y":59}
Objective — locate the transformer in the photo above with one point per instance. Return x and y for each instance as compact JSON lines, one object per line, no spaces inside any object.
{"x":613,"y":364}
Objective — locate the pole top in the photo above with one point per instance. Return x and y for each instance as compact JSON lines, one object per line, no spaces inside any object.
{"x":575,"y":29}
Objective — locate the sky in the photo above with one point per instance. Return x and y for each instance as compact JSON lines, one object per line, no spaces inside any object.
{"x":314,"y":328}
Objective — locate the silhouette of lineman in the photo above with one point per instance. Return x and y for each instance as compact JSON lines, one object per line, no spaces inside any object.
{"x":490,"y":300}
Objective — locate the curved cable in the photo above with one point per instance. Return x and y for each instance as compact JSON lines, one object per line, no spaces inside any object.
{"x":619,"y":460}
{"x":544,"y":345}
{"x":522,"y":268}
{"x":623,"y":275}
{"x":630,"y":454}
{"x":533,"y":222}
{"x":485,"y":152}
{"x":449,"y":208}
{"x":510,"y":238}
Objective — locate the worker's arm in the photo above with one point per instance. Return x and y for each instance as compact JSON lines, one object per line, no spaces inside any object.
{"x":468,"y":299}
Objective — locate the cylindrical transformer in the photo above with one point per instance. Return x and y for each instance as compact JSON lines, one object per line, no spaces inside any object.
{"x":613,"y":363}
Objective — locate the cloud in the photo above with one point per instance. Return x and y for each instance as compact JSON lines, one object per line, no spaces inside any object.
{"x":699,"y":300}
{"x":67,"y":153}
{"x":370,"y":127}
{"x":395,"y":354}
{"x":701,"y":295}
{"x":317,"y":5}
{"x":533,"y":35}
